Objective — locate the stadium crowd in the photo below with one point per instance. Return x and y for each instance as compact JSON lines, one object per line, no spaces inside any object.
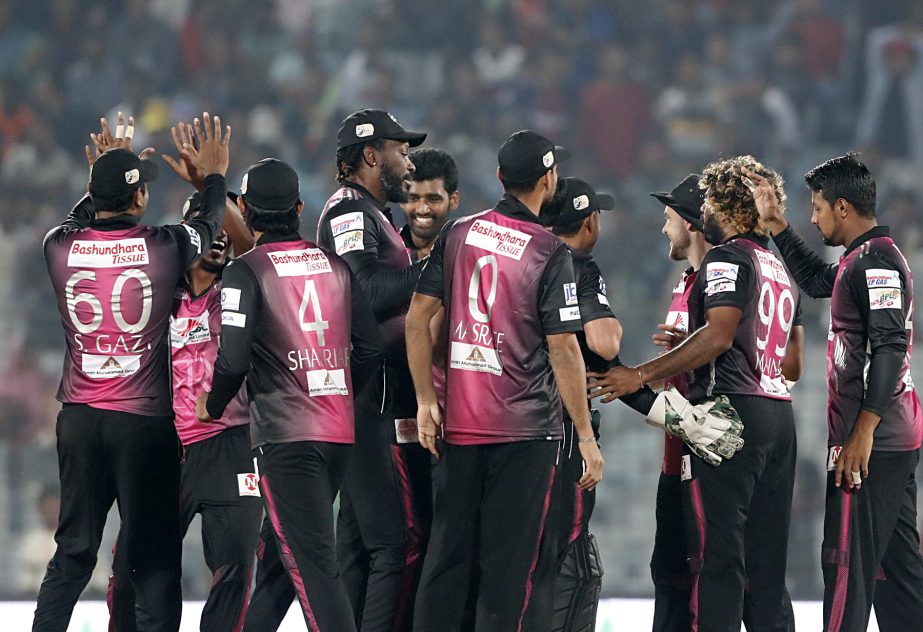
{"x":642,"y":97}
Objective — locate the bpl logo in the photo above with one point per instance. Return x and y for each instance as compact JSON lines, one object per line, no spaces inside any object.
{"x":548,"y":159}
{"x":365,"y":129}
{"x":581,"y":202}
{"x":132,"y":176}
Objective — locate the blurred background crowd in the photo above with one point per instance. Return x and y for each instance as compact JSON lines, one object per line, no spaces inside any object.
{"x":642,"y":92}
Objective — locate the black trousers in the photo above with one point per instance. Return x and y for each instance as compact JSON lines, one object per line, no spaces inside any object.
{"x":384,"y":519}
{"x":669,"y":568}
{"x":871,"y":549}
{"x":104,"y":457}
{"x":218,"y":482}
{"x":737,"y":517}
{"x":296,"y":556}
{"x":493,"y":499}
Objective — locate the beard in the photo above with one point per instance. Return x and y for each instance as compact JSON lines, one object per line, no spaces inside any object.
{"x":212,"y":267}
{"x":714,"y":232}
{"x":392,"y":184}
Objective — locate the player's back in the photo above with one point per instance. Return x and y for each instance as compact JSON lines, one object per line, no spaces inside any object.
{"x":114,"y":284}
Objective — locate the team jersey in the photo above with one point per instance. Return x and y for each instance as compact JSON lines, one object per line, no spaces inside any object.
{"x":195,"y":327}
{"x":114,"y":281}
{"x":506,"y":282}
{"x":289,"y":321}
{"x":870,"y":339}
{"x":593,"y":302}
{"x":678,"y":317}
{"x":744,"y":273}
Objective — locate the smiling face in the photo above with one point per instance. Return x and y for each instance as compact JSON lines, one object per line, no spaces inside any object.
{"x":427,"y":208}
{"x":674,"y":227}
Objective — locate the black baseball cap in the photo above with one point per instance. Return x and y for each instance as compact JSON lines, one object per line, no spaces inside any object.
{"x":270,"y":185}
{"x":367,"y":125}
{"x":526,"y":155}
{"x":118,"y":173}
{"x":581,"y":201}
{"x":686,"y":199}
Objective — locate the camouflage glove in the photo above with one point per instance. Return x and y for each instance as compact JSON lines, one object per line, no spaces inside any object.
{"x":711,"y":430}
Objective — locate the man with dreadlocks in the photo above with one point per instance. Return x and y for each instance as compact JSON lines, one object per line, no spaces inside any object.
{"x":380,"y":536}
{"x":742,"y":310}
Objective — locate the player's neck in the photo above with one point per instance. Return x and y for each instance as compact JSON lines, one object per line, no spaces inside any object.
{"x":371,"y":183}
{"x":856,"y":229}
{"x":200,"y":280}
{"x":696,"y":252}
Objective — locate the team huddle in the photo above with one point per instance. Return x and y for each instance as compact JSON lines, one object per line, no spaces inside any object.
{"x":437,"y":380}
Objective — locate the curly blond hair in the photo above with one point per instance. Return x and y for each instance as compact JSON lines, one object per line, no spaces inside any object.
{"x":728,"y":197}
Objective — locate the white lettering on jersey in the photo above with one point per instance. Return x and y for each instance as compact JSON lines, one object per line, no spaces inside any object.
{"x":230,"y":299}
{"x":878,"y":277}
{"x":772,"y":268}
{"x":324,"y":382}
{"x":104,"y":367}
{"x":499,"y":239}
{"x":467,"y":357}
{"x":300,"y":262}
{"x":108,"y":254}
{"x":233,"y":319}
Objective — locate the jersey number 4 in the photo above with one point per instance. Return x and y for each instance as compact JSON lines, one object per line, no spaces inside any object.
{"x":318,"y":325}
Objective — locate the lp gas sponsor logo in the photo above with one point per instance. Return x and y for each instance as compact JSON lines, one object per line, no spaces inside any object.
{"x":248,"y":484}
{"x":880,"y":277}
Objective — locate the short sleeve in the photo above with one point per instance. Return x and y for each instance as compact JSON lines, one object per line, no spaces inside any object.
{"x":591,"y":292}
{"x":726,"y":276}
{"x":558,"y":304}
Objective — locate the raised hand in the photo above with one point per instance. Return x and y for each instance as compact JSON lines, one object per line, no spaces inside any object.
{"x":182,"y":136}
{"x":212,"y":155}
{"x":767,"y":203}
{"x":106,"y":140}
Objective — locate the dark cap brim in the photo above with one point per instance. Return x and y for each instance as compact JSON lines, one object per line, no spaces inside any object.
{"x":414,"y":139}
{"x":606,"y":201}
{"x":695,"y":219}
{"x":561,"y":153}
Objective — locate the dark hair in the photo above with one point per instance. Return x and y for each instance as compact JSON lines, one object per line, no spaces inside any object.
{"x":279,"y":222}
{"x":844,"y":177}
{"x":349,"y":157}
{"x":519,"y":187}
{"x":430,"y":164}
{"x":118,"y":204}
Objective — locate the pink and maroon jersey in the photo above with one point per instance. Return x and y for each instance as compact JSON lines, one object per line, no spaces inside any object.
{"x":114,"y":281}
{"x":286,"y":323}
{"x":871,"y":308}
{"x":195,"y":328}
{"x":744,"y":273}
{"x":678,"y":316}
{"x":506,"y":282}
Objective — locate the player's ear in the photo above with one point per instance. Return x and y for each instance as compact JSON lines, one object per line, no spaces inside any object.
{"x":299,"y":207}
{"x":454,"y":198}
{"x":241,"y":206}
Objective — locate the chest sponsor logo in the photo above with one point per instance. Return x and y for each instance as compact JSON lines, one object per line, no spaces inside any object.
{"x":569,"y":313}
{"x":230,"y":299}
{"x":299,"y":262}
{"x":108,"y":254}
{"x":833,"y":455}
{"x":104,"y":367}
{"x":885,"y":298}
{"x":878,"y":277}
{"x":492,"y":237}
{"x":772,"y":268}
{"x":189,"y":331}
{"x":323,"y":382}
{"x":405,"y":431}
{"x":248,"y":484}
{"x":570,"y":293}
{"x":467,"y":357}
{"x":685,"y":471}
{"x":679,"y":320}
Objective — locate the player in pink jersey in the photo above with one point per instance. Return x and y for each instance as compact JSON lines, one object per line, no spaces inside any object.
{"x":871,"y":551}
{"x":742,"y":309}
{"x":511,"y":316}
{"x":297,"y":327}
{"x":115,"y":280}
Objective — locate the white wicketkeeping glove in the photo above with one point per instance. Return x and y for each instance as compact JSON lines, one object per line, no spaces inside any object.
{"x":711,"y":429}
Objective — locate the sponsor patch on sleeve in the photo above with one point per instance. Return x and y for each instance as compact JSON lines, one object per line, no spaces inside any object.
{"x":233,"y":319}
{"x":194,"y":238}
{"x":885,"y":298}
{"x":603,"y":299}
{"x":878,"y":277}
{"x":348,"y":230}
{"x":569,"y":313}
{"x":230,"y":299}
{"x":719,"y":286}
{"x":720,"y":276}
{"x":570,"y":293}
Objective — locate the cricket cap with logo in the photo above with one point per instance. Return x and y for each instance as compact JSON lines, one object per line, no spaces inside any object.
{"x":368,"y":125}
{"x":581,"y":201}
{"x":527,"y":155}
{"x":686,"y":199}
{"x":270,"y":185}
{"x":118,"y":173}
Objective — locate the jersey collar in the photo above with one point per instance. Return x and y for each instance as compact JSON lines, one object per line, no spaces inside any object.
{"x":512,"y":207}
{"x":272,"y":238}
{"x":116,"y":222}
{"x":876,"y":231}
